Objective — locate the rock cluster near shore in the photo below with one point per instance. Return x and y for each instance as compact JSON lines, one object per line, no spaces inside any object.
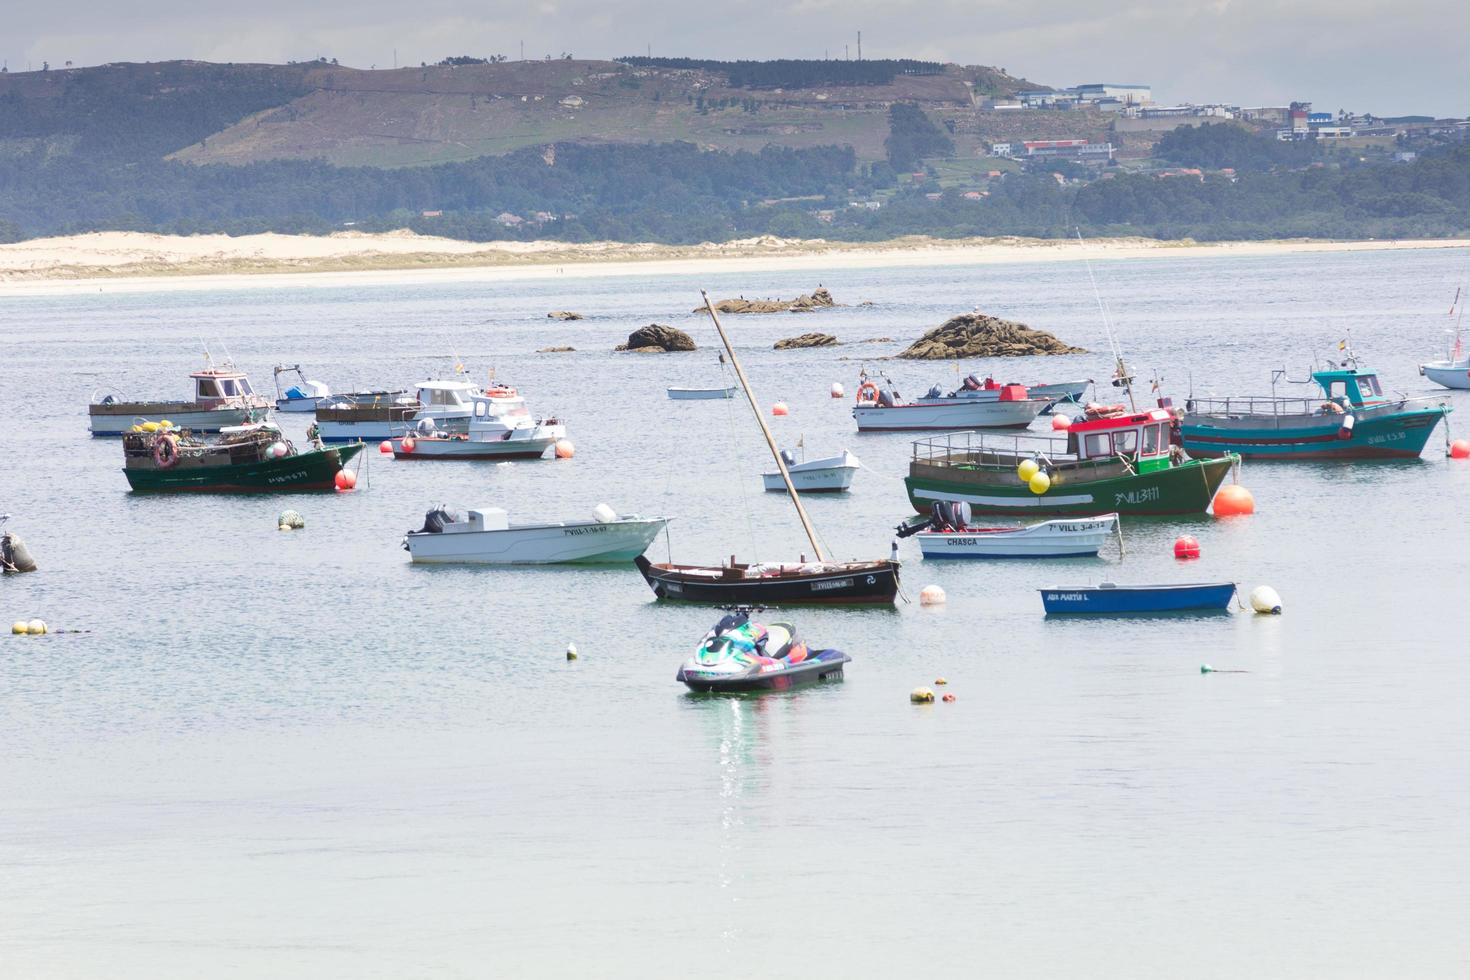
{"x":806,"y":340}
{"x":817,"y":299}
{"x":979,"y":335}
{"x":657,"y":339}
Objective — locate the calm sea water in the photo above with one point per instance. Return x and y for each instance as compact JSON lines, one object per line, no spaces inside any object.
{"x":298,"y":755}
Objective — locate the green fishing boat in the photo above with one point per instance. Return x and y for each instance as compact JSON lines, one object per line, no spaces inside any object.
{"x":1110,"y":461}
{"x":253,"y":458}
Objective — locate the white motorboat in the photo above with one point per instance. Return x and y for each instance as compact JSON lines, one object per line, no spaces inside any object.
{"x":500,"y":427}
{"x":222,"y":397}
{"x":303,"y":396}
{"x":1449,"y":374}
{"x":988,"y":391}
{"x":486,"y":536}
{"x":447,"y":403}
{"x":831,"y":474}
{"x":700,"y":394}
{"x":947,"y":533}
{"x":1454,"y":370}
{"x":881,"y":410}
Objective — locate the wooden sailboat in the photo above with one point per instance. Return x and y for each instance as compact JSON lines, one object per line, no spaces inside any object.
{"x":773,"y":583}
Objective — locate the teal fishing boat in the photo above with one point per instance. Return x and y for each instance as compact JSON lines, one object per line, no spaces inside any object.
{"x":1352,"y":419}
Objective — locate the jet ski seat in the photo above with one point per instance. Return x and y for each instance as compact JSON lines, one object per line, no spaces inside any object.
{"x":778,"y":638}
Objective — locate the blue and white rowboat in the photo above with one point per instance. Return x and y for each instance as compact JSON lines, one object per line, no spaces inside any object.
{"x":1111,"y":598}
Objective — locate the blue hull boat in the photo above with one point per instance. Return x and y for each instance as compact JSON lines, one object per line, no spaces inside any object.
{"x":1110,"y":598}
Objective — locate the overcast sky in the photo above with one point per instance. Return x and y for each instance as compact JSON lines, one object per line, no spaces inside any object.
{"x":1365,"y":55}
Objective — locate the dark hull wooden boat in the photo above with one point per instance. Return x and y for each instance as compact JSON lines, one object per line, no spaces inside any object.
{"x":836,"y":583}
{"x":241,"y":464}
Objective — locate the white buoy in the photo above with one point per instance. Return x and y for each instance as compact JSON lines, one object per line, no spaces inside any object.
{"x":931,"y":595}
{"x":1265,"y":600}
{"x":36,"y":627}
{"x":290,"y":520}
{"x":837,"y":390}
{"x":571,"y":651}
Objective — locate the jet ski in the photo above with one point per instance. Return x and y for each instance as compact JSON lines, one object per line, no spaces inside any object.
{"x":739,"y":654}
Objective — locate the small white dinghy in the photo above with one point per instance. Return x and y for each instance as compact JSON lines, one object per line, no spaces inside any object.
{"x":948,"y":534}
{"x":700,"y":394}
{"x":486,"y":536}
{"x":830,"y":474}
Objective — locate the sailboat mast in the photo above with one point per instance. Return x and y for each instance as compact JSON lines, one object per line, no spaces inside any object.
{"x":760,"y":419}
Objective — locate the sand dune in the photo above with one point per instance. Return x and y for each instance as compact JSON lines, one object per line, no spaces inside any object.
{"x":135,"y":260}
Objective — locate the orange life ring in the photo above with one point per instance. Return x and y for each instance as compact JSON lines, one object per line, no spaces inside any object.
{"x":166,"y":451}
{"x":867,"y":392}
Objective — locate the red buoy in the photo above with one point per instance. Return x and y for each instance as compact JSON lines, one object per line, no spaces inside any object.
{"x":1234,"y":500}
{"x":780,"y":409}
{"x":1060,"y":423}
{"x":1460,"y":449}
{"x":408,"y":443}
{"x":1186,"y":547}
{"x":385,"y":447}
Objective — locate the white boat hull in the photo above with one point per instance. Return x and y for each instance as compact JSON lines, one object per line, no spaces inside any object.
{"x":1070,"y":538}
{"x":527,"y":444}
{"x":588,"y":542}
{"x":207,"y":421}
{"x":1448,"y":374}
{"x":956,"y":413}
{"x":375,"y":430}
{"x":1063,"y":391}
{"x":700,"y":394}
{"x":297,"y":404}
{"x":832,"y":474}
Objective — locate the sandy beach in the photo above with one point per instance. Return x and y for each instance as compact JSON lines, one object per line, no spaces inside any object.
{"x":136,"y":261}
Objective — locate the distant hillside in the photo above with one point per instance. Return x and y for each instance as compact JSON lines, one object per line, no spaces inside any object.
{"x":238,"y":114}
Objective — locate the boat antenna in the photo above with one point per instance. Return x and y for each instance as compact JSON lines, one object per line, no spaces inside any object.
{"x":806,"y":522}
{"x":229,"y":358}
{"x":1121,"y":378}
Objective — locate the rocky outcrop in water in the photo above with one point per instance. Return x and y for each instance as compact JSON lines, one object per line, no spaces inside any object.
{"x":557,"y":350}
{"x":564,"y":315}
{"x":806,"y":340}
{"x":657,"y":339}
{"x":979,"y":335}
{"x":815,"y":300}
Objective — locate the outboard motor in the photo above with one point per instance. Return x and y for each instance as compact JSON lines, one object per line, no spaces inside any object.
{"x":14,"y":555}
{"x":972,"y":383}
{"x":426,"y":427}
{"x":934,"y":392}
{"x":788,"y":457}
{"x":437,"y":519}
{"x":960,"y":511}
{"x":885,"y":398}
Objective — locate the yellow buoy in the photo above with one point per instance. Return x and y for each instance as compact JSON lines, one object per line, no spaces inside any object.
{"x":922,"y":695}
{"x":150,"y":426}
{"x":1027,"y":469}
{"x":1039,"y":483}
{"x":18,"y":628}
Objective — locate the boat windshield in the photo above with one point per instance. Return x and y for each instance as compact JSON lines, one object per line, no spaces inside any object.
{"x":441,"y":396}
{"x":228,"y":386}
{"x":207,"y":388}
{"x":1368,"y":385}
{"x":245,"y":388}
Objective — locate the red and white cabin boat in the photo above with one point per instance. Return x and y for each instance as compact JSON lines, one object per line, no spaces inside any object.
{"x":880,"y":410}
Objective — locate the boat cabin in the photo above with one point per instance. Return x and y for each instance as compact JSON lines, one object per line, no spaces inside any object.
{"x":1349,"y":386}
{"x":213,"y":387}
{"x":489,"y":408}
{"x":446,"y":394}
{"x":1142,"y":437}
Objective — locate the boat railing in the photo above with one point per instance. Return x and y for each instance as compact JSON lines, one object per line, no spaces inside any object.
{"x":1260,"y":405}
{"x":969,"y":447}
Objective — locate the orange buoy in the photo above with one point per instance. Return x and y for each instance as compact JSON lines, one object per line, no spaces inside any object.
{"x":349,"y":479}
{"x":408,"y":443}
{"x":948,"y":699}
{"x":1234,"y":500}
{"x":1060,"y":423}
{"x":780,"y":409}
{"x":1186,"y":547}
{"x":1460,"y":449}
{"x":341,"y":480}
{"x":385,"y":447}
{"x":565,"y":449}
